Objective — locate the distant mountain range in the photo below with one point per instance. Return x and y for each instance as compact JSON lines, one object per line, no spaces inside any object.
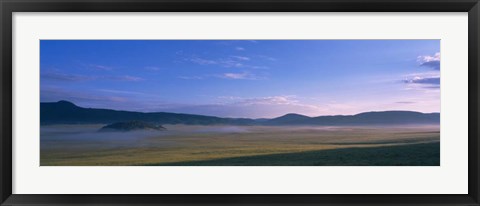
{"x":64,"y":112}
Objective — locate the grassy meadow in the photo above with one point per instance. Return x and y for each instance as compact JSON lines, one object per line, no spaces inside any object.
{"x":183,"y":145}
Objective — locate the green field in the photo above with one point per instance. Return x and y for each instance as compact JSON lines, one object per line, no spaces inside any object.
{"x":181,"y":145}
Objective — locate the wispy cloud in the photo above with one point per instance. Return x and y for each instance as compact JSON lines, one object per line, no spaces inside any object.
{"x":66,"y":77}
{"x":228,"y":62}
{"x":235,"y":75}
{"x":239,"y":48}
{"x":244,"y":75}
{"x":423,"y":80}
{"x":291,"y":100}
{"x":201,"y":61}
{"x":59,"y":76}
{"x":100,"y":67}
{"x":127,"y":78}
{"x":239,"y":76}
{"x":270,"y":100}
{"x":430,"y":61}
{"x":242,"y":58}
{"x":229,"y":75}
{"x":113,"y":91}
{"x":229,"y":98}
{"x":269,"y":58}
{"x":426,"y":80}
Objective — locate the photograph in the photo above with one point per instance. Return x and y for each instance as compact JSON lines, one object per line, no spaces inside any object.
{"x":240,"y":102}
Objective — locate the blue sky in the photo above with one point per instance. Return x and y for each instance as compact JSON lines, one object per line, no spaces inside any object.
{"x":243,"y":78}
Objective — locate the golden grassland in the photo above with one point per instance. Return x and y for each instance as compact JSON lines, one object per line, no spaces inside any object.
{"x":82,"y":145}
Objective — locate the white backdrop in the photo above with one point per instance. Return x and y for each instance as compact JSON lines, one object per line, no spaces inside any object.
{"x":449,"y":178}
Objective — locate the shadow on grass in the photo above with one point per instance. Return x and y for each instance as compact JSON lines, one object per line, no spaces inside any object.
{"x":424,"y":154}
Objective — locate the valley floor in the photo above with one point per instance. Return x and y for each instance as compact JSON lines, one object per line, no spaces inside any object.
{"x":181,"y":145}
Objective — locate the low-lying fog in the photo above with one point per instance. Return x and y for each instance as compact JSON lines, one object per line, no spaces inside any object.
{"x":56,"y":136}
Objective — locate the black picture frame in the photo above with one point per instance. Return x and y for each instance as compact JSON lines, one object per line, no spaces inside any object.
{"x":7,"y":7}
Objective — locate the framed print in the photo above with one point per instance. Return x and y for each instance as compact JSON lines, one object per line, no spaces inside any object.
{"x":204,"y":124}
{"x":239,"y":102}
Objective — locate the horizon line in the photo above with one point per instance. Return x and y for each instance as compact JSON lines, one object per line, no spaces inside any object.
{"x":59,"y":101}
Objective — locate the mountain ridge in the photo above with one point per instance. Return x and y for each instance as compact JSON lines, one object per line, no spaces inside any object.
{"x":65,"y":112}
